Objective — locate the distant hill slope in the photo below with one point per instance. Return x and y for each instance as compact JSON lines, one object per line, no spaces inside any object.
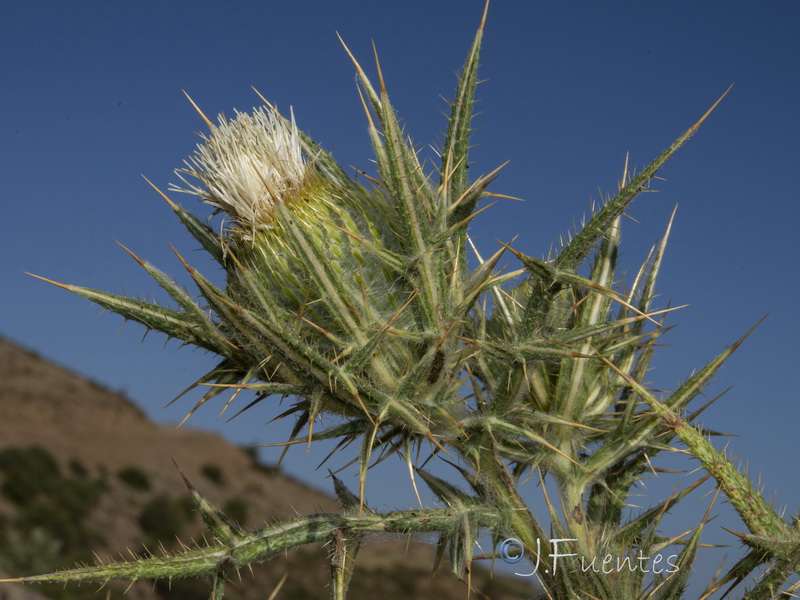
{"x":83,"y":469}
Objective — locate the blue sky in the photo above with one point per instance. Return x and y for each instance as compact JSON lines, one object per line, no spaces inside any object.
{"x":92,"y":99}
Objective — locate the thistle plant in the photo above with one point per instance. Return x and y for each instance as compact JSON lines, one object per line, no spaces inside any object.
{"x":371,"y":307}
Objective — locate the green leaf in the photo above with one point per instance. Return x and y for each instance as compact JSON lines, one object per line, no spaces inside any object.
{"x":210,"y":241}
{"x":173,"y":323}
{"x":268,"y":541}
{"x":454,"y":167}
{"x":578,"y":249}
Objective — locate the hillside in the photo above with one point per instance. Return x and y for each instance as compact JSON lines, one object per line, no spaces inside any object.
{"x":84,"y":471}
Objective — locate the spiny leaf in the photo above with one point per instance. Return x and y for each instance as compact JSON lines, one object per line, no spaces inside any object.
{"x":446,"y":492}
{"x":173,"y":323}
{"x":760,"y":518}
{"x":267,"y":541}
{"x":626,"y":533}
{"x":181,"y":296}
{"x":580,"y":246}
{"x":224,"y":530}
{"x":210,"y":241}
{"x":456,"y":146}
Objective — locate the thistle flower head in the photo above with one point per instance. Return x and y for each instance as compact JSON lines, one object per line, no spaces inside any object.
{"x":246,"y":166}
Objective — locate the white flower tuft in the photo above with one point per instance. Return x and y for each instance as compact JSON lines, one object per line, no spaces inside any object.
{"x":246,"y":166}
